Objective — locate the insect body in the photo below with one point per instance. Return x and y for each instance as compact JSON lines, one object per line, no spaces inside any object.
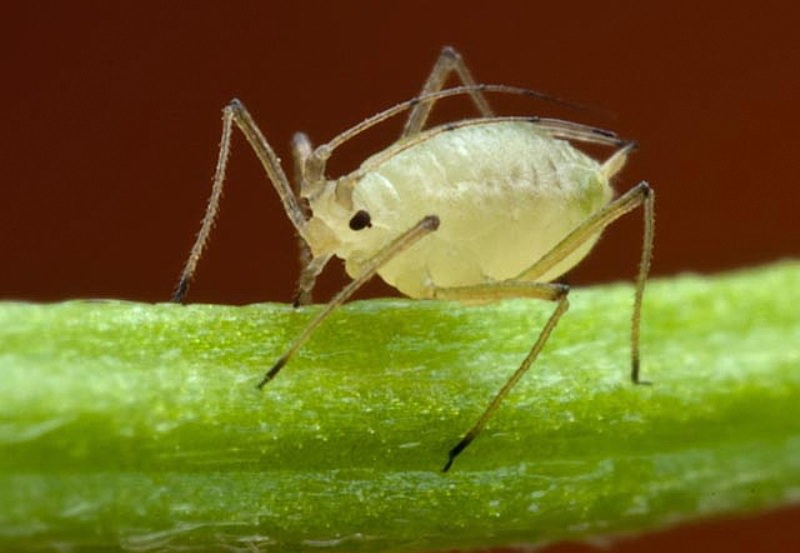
{"x":482,"y":208}
{"x":505,"y":193}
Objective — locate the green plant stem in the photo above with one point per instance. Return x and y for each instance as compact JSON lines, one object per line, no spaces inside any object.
{"x":134,"y":426}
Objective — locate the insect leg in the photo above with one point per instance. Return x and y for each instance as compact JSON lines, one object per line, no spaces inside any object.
{"x":547,"y":291}
{"x":640,"y":195}
{"x":425,"y":226}
{"x":310,"y":266}
{"x":236,"y":113}
{"x":449,"y":60}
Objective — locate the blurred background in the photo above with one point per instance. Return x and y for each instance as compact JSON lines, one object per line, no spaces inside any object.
{"x":112,"y":120}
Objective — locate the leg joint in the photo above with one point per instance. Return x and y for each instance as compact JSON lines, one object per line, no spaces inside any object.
{"x":561,"y":290}
{"x":450,"y":52}
{"x":235,"y":105}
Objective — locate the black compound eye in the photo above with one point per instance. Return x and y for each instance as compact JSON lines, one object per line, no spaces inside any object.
{"x":360,"y":220}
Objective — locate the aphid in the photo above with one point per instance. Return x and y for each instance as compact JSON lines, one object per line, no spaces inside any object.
{"x":483,"y":208}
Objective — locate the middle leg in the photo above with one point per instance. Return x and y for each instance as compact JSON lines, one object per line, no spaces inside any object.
{"x":425,"y":226}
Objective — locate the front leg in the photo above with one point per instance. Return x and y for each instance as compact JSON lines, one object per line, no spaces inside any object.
{"x":236,"y":114}
{"x":310,"y":266}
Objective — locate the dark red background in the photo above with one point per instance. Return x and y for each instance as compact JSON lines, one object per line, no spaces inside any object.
{"x":111,"y":124}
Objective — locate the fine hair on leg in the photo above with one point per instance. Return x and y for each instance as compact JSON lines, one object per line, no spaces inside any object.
{"x":235,"y":113}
